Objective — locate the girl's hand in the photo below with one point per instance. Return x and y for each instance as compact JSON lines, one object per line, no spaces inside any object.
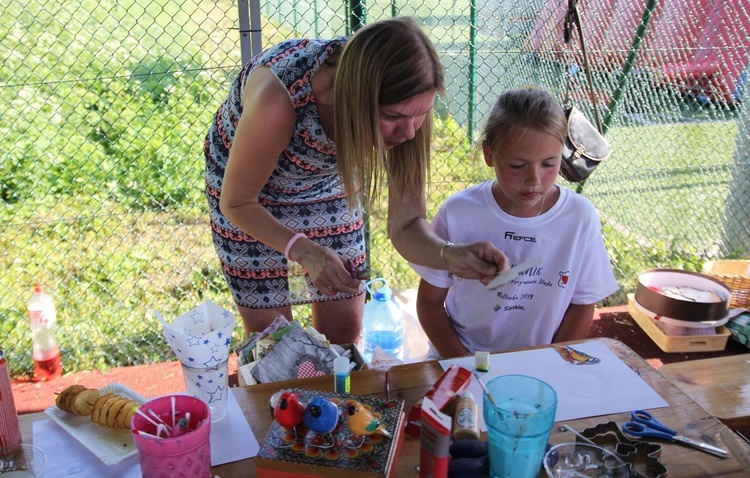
{"x":328,"y":270}
{"x":481,"y":261}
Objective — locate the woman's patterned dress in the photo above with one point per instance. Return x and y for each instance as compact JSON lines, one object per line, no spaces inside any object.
{"x":304,"y":192}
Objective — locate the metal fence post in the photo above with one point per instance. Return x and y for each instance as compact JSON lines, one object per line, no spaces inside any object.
{"x":251,"y":41}
{"x":640,"y":33}
{"x":472,"y":68}
{"x":357,"y":15}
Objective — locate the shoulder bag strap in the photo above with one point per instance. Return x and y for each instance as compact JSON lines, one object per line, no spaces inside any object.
{"x":573,"y":18}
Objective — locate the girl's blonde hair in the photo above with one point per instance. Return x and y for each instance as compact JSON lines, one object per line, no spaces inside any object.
{"x":384,"y":63}
{"x":518,"y":111}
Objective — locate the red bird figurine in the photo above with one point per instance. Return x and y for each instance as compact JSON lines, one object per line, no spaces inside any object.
{"x":288,"y":411}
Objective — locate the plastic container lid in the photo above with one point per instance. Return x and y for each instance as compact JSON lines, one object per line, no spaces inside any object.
{"x":341,"y":365}
{"x":382,"y":293}
{"x":467,"y":394}
{"x":652,"y":281}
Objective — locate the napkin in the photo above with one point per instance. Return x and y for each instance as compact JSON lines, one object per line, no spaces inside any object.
{"x":200,"y":337}
{"x":246,"y":349}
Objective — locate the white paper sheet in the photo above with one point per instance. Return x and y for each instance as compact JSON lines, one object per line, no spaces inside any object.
{"x":607,"y":387}
{"x":231,"y":440}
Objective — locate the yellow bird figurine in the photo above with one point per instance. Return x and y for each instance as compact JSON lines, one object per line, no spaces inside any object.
{"x":362,"y":422}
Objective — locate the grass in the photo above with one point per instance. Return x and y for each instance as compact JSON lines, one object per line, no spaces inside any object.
{"x":101,"y":186}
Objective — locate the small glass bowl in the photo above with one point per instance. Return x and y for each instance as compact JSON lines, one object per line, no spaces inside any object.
{"x":581,"y":460}
{"x":26,"y":460}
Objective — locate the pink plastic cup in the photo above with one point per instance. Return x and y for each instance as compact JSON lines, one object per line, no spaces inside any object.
{"x":187,"y":455}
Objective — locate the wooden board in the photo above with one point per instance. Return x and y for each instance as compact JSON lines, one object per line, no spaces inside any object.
{"x":720,"y":385}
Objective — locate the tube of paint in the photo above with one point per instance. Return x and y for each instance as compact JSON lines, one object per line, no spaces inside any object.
{"x":465,"y":424}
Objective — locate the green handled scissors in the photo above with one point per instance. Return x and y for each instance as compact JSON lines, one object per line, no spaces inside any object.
{"x":645,"y":425}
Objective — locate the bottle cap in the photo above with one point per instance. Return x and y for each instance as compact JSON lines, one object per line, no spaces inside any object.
{"x":467,"y":394}
{"x":341,"y":365}
{"x":39,"y":288}
{"x":382,"y":293}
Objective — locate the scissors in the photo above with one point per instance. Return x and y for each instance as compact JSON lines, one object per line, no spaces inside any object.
{"x":645,"y":425}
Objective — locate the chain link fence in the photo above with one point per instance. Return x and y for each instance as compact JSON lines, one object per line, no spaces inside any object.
{"x":105,"y":107}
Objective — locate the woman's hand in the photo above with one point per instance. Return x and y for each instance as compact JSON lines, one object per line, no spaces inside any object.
{"x":328,"y":270}
{"x":481,"y":261}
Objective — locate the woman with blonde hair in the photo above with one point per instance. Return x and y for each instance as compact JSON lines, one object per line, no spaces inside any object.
{"x":310,"y":131}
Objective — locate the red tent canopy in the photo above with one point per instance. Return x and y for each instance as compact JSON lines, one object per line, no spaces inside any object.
{"x":701,"y":46}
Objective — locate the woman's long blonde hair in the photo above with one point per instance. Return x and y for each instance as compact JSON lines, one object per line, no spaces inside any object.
{"x":384,"y":63}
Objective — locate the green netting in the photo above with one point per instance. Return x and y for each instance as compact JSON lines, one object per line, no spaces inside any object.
{"x":105,"y":107}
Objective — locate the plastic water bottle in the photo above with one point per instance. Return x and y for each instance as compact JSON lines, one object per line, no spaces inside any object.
{"x":383,"y":322}
{"x":45,"y":351}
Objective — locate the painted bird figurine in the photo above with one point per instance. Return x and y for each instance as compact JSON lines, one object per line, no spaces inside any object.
{"x":288,"y":411}
{"x":361,"y":421}
{"x":321,"y":416}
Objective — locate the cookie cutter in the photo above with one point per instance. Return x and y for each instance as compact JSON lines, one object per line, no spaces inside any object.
{"x":642,"y":457}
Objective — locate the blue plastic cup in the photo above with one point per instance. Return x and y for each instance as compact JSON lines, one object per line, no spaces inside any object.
{"x":518,"y":424}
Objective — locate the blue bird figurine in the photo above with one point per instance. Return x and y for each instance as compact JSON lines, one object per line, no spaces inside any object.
{"x":321,"y":416}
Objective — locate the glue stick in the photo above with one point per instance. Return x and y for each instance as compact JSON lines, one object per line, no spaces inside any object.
{"x":341,"y":375}
{"x":465,"y":423}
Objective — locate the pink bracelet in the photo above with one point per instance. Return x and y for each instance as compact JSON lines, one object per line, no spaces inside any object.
{"x":291,"y":242}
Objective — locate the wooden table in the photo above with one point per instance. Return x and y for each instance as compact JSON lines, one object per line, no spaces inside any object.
{"x":410,"y":382}
{"x":720,"y":385}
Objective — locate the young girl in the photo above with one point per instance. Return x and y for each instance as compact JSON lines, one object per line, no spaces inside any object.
{"x":527,"y":216}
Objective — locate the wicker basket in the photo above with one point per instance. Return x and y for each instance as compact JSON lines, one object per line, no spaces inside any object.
{"x":736,"y":275}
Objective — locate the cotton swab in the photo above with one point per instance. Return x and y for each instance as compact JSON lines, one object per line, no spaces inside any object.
{"x":163,"y":427}
{"x":573,"y":430}
{"x":139,"y":412}
{"x":157,"y":417}
{"x":484,"y":387}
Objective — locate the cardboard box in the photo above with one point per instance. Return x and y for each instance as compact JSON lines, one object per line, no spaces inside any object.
{"x":356,"y":356}
{"x":243,"y":371}
{"x":678,"y":343}
{"x":451,"y":384}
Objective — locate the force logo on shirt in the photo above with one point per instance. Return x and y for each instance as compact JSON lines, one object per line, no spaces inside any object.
{"x":510,"y":235}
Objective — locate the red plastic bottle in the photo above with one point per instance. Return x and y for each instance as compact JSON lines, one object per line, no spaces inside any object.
{"x":46,"y":352}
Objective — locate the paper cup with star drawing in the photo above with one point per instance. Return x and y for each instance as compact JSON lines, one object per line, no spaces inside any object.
{"x":210,"y":385}
{"x":201,"y":339}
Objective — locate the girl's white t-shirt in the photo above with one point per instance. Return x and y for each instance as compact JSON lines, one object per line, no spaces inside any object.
{"x":527,"y":311}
